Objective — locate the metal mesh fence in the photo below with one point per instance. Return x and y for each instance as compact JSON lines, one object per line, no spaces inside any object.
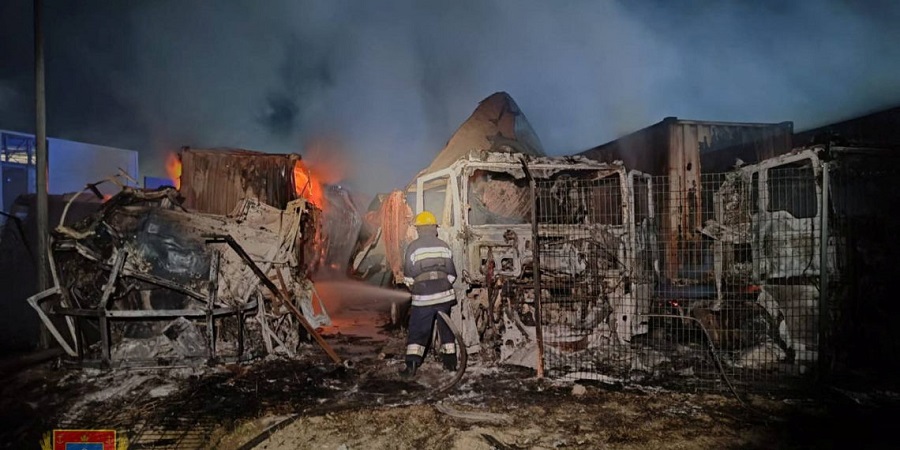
{"x":680,"y":281}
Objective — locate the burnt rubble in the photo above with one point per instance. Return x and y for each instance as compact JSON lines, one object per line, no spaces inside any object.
{"x":146,"y":282}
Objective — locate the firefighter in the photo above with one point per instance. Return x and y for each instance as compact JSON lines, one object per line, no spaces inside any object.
{"x":429,"y":272}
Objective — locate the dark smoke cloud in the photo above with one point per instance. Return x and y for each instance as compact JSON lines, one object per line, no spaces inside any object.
{"x":392,"y":80}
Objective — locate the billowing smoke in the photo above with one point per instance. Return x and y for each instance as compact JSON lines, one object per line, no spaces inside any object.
{"x":388,"y":82}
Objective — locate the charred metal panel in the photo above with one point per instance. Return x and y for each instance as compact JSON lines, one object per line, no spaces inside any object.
{"x":681,"y":214}
{"x":646,"y":150}
{"x":341,"y":224}
{"x":724,"y":144}
{"x":214,"y":181}
{"x":717,"y":145}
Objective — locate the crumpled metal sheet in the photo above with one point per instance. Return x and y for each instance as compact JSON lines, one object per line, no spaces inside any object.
{"x":341,"y":223}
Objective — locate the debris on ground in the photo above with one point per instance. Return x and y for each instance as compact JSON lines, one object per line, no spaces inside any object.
{"x":308,"y":402}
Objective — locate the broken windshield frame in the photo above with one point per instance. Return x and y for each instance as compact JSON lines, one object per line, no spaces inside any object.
{"x":498,"y":197}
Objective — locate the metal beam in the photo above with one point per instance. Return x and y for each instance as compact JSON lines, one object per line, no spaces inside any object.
{"x":224,"y":238}
{"x":43,"y":233}
{"x":211,"y":304}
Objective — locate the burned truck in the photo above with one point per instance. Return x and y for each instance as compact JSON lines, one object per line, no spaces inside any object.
{"x":588,"y":240}
{"x":488,"y":187}
{"x":147,"y":281}
{"x":787,"y":233}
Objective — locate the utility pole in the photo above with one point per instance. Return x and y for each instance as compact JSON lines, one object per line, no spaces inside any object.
{"x":43,"y":234}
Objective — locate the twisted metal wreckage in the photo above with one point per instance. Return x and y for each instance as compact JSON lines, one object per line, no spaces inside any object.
{"x":484,"y":205}
{"x":561,"y":260}
{"x":494,"y":192}
{"x":132,"y":281}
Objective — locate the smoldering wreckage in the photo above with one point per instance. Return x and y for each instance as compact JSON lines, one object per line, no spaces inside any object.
{"x":220,"y":269}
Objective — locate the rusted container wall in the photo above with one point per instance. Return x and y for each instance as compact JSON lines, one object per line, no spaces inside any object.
{"x":682,"y":150}
{"x":214,"y":181}
{"x":644,"y":150}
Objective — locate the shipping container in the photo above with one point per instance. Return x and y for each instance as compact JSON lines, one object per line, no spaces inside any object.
{"x":682,"y":150}
{"x":215,"y":180}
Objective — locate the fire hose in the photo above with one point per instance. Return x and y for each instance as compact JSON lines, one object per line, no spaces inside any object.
{"x":463,"y":355}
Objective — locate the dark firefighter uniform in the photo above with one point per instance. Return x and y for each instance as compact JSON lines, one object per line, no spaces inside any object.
{"x":429,"y":271}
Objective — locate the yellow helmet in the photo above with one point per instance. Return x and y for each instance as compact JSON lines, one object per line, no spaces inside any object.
{"x":425,"y":218}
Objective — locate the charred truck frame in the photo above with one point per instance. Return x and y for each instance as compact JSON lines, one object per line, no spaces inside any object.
{"x":790,"y":227}
{"x":144,"y":281}
{"x":484,"y":208}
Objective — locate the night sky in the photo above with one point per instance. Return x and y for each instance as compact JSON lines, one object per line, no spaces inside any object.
{"x":384,"y":84}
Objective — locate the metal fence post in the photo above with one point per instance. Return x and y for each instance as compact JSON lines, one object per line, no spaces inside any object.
{"x":824,"y":322}
{"x":536,"y":269}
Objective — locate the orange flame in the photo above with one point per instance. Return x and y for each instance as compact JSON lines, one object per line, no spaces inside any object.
{"x":324,"y":162}
{"x":307,"y":185}
{"x":173,"y":169}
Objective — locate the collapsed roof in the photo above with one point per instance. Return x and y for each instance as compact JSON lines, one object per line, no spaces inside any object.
{"x":497,"y":116}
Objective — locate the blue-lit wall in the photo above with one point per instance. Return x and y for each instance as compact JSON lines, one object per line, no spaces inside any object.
{"x":72,"y":165}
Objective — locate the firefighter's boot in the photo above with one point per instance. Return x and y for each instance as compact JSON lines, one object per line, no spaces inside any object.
{"x":410,"y":370}
{"x":449,"y":360}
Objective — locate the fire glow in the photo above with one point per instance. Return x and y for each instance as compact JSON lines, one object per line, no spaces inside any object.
{"x":308,"y":186}
{"x":173,"y":169}
{"x":324,"y":162}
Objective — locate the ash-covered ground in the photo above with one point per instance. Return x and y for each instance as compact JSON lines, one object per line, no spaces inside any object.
{"x":307,"y":402}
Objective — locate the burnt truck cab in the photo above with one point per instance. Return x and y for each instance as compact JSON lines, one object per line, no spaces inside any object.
{"x":788,"y":223}
{"x":767,"y":234}
{"x":765,"y":242}
{"x":483,"y":204}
